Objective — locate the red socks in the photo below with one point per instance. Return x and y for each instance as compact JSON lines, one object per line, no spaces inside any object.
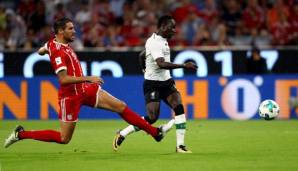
{"x":54,"y":136}
{"x":44,"y":135}
{"x":134,"y":119}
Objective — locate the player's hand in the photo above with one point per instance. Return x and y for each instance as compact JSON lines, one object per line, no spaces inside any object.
{"x":95,"y":79}
{"x":191,"y":66}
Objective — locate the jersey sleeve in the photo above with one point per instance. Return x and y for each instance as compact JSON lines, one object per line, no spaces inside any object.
{"x":156,"y":50}
{"x":58,"y":61}
{"x":46,"y":46}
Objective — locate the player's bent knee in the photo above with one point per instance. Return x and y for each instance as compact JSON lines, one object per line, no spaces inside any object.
{"x":123,"y":104}
{"x":65,"y":140}
{"x":119,"y":108}
{"x":179,"y":110}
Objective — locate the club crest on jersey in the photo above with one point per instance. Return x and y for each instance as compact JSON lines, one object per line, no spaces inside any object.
{"x":166,"y":51}
{"x":58,"y":46}
{"x":153,"y":95}
{"x":58,"y":60}
{"x":69,"y":117}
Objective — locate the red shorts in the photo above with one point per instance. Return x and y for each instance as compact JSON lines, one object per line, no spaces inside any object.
{"x":70,"y":106}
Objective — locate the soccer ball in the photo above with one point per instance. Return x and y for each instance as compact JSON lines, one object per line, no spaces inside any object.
{"x":268,"y":109}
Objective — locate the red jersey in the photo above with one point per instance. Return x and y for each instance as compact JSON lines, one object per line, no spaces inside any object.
{"x":62,"y":57}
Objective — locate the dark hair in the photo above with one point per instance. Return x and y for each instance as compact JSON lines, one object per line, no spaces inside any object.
{"x":256,"y":50}
{"x":163,"y":19}
{"x":60,"y":24}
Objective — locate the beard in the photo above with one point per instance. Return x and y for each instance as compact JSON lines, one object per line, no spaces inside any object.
{"x":69,"y":39}
{"x":169,"y":36}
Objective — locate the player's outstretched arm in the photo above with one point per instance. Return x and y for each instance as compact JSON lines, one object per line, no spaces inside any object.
{"x":190,"y":65}
{"x":168,"y":65}
{"x":43,"y":50}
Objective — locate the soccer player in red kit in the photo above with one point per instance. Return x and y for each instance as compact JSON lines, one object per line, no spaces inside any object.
{"x":76,"y":90}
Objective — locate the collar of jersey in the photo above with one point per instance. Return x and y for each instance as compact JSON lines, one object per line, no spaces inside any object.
{"x":160,"y":37}
{"x":60,"y":43}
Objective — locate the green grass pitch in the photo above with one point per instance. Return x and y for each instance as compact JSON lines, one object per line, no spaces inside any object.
{"x":216,"y":145}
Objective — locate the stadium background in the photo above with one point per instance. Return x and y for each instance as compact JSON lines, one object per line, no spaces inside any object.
{"x":217,"y":35}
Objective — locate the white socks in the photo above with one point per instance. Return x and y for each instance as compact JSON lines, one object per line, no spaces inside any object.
{"x":166,"y":127}
{"x":180,"y":122}
{"x":128,"y":130}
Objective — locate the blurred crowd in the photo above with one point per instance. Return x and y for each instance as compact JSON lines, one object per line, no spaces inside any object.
{"x":26,"y":24}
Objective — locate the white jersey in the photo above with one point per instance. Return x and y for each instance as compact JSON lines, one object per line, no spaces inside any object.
{"x":156,"y":47}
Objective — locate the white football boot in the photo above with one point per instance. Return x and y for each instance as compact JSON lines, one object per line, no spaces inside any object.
{"x":182,"y":149}
{"x":13,"y":137}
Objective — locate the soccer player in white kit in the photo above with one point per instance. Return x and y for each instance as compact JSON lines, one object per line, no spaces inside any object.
{"x":159,"y":85}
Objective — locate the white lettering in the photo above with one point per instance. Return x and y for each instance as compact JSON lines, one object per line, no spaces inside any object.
{"x":1,"y":65}
{"x":30,"y":61}
{"x":114,"y":67}
{"x":226,"y":59}
{"x":271,"y":57}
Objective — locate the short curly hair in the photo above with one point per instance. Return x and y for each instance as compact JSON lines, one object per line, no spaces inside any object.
{"x":163,"y":20}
